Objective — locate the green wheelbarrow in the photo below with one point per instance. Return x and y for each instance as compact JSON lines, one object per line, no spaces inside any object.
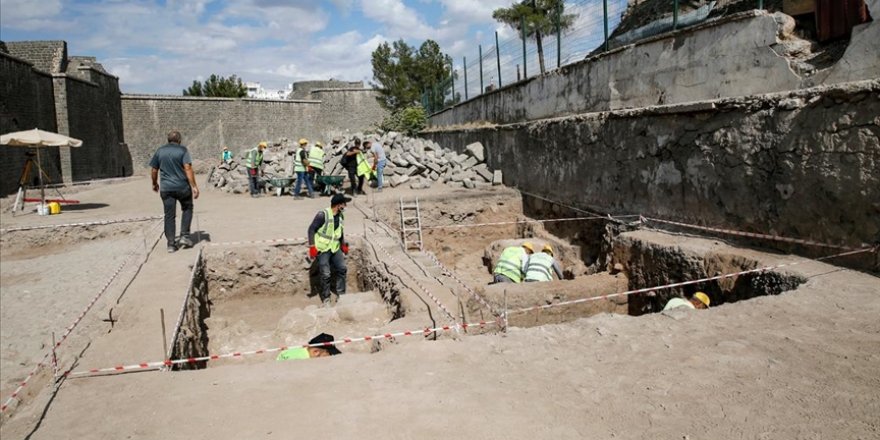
{"x":330,"y":184}
{"x":279,"y":183}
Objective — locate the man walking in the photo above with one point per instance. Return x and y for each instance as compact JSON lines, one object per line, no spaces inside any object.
{"x":178,"y":184}
{"x":379,"y":162}
{"x":253,"y":159}
{"x":300,"y":167}
{"x":327,"y":245}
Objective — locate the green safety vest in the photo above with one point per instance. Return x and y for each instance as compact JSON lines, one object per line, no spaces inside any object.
{"x":253,"y":158}
{"x":363,"y":168}
{"x":293,"y":353}
{"x":510,"y":263}
{"x":316,"y":158}
{"x":539,"y":267}
{"x":297,"y":161}
{"x":326,"y":238}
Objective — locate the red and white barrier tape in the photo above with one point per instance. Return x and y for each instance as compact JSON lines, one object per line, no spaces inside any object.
{"x":686,"y":283}
{"x":750,"y":234}
{"x":571,"y":219}
{"x":608,"y":217}
{"x":419,"y":284}
{"x":237,"y":354}
{"x":69,"y":329}
{"x":95,"y":223}
{"x":473,"y":293}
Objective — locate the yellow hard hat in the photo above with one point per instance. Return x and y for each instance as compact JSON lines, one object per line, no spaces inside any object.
{"x":303,"y":141}
{"x":264,"y":144}
{"x":319,"y":144}
{"x":703,"y":298}
{"x":528,"y":245}
{"x":548,"y":249}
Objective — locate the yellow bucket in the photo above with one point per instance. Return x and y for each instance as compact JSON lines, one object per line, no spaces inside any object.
{"x":54,"y":208}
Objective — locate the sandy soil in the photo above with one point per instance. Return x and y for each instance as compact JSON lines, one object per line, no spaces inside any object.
{"x":804,"y":364}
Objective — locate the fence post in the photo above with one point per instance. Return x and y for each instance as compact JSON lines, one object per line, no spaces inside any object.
{"x":481,"y":69}
{"x":464,"y":67}
{"x":559,"y":36}
{"x":761,"y":4}
{"x":675,"y":15}
{"x":605,"y":21}
{"x":498,"y":58}
{"x":452,"y":68}
{"x":522,"y":26}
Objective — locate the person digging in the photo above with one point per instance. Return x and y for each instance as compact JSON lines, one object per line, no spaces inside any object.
{"x":328,"y":247}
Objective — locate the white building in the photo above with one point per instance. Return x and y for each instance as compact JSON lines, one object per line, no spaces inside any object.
{"x":255,"y":90}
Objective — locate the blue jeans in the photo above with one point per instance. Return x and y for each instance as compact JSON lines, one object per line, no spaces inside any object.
{"x":380,"y":167}
{"x":300,"y":176}
{"x":334,"y":261}
{"x":253,"y":181}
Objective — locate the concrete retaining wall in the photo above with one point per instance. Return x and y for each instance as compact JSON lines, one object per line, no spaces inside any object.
{"x":731,"y":57}
{"x":802,"y":164}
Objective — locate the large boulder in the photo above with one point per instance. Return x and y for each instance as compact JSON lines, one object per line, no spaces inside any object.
{"x":476,"y":151}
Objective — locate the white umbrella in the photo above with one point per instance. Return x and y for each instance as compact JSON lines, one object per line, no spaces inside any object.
{"x":37,"y":139}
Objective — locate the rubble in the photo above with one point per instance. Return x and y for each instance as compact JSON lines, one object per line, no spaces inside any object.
{"x":418,"y":162}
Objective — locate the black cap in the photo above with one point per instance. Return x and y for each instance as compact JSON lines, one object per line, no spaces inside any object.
{"x":324,"y":338}
{"x":339,"y":199}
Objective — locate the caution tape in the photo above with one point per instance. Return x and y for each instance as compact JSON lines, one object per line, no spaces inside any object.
{"x":592,"y":213}
{"x":69,"y":329}
{"x":686,"y":283}
{"x":95,"y":223}
{"x":772,"y":237}
{"x":238,"y":354}
{"x":552,"y":220}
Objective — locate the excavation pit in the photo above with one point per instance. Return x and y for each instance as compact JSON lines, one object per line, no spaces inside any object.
{"x":251,"y":298}
{"x":600,"y":256}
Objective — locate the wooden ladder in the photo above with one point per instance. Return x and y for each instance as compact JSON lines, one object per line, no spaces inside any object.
{"x":411,"y":225}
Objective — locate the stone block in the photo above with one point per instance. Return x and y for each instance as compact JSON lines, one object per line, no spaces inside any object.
{"x":398,"y":180}
{"x":468,"y":183}
{"x":469,"y":163}
{"x":476,"y":151}
{"x":483,"y":171}
{"x":497,"y":177}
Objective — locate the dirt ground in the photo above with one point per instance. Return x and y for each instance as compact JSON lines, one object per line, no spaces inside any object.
{"x":803,"y":364}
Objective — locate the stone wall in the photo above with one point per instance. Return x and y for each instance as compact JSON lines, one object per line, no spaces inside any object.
{"x":303,"y":89}
{"x":801,"y":164}
{"x":740,"y":55}
{"x":26,"y":102}
{"x":207,"y":124}
{"x":48,"y":56}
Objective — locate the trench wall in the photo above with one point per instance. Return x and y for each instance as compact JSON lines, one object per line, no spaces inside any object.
{"x":207,"y":124}
{"x":803,"y":164}
{"x":734,"y":56}
{"x":190,"y":339}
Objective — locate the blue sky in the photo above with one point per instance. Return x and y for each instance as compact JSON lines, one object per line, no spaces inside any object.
{"x":161,"y":46}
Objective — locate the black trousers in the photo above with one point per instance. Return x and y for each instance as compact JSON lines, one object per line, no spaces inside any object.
{"x":169,"y":202}
{"x":353,"y":177}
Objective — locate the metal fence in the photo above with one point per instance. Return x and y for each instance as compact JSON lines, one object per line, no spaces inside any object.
{"x":512,"y":57}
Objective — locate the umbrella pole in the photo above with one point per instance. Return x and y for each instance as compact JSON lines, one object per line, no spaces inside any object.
{"x":42,"y":186}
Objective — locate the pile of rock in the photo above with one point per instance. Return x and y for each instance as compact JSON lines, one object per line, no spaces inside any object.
{"x":416,"y":162}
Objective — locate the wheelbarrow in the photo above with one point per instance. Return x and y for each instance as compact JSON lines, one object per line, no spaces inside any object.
{"x":332,"y":184}
{"x":279,"y":183}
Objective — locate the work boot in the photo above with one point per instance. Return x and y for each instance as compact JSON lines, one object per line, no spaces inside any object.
{"x":326,"y":303}
{"x":185,"y":242}
{"x":172,"y":248}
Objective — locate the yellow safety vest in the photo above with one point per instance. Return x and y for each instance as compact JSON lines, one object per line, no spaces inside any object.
{"x":539,"y":267}
{"x":253,"y":158}
{"x":297,"y":161}
{"x":363,"y":168}
{"x":316,"y":157}
{"x":510,"y":263}
{"x":327,"y":238}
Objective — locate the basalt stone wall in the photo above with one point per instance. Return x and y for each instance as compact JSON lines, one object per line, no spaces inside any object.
{"x":801,"y":164}
{"x":26,"y":102}
{"x":207,"y":124}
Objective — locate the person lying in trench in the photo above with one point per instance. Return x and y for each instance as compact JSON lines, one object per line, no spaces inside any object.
{"x":310,"y":352}
{"x":699,"y":301}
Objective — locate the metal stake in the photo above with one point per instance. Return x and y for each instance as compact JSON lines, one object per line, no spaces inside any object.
{"x":464,"y":67}
{"x":164,"y":339}
{"x":54,"y":359}
{"x":522,"y":26}
{"x":674,"y":14}
{"x":558,"y":36}
{"x":481,"y":69}
{"x":505,"y":310}
{"x":605,"y":21}
{"x":498,"y":58}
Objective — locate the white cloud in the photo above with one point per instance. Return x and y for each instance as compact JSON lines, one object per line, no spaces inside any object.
{"x":30,"y":15}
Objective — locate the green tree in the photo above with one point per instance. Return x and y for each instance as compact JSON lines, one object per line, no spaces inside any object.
{"x":540,"y":18}
{"x":402,"y":73}
{"x":217,"y":86}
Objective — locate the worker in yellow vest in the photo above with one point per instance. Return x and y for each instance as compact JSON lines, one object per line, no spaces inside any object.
{"x":327,"y":245}
{"x":539,"y":266}
{"x":319,"y":346}
{"x":511,"y":264}
{"x":300,"y":167}
{"x":316,"y":165}
{"x":253,"y":159}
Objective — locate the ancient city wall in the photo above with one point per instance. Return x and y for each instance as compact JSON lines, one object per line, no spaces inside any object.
{"x":740,"y":55}
{"x":26,"y":102}
{"x":802,"y":164}
{"x":207,"y":124}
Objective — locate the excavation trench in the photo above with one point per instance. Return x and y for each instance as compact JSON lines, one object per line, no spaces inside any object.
{"x":250,"y":298}
{"x":599,"y":256}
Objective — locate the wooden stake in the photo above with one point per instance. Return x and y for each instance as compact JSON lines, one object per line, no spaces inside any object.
{"x":164,"y":339}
